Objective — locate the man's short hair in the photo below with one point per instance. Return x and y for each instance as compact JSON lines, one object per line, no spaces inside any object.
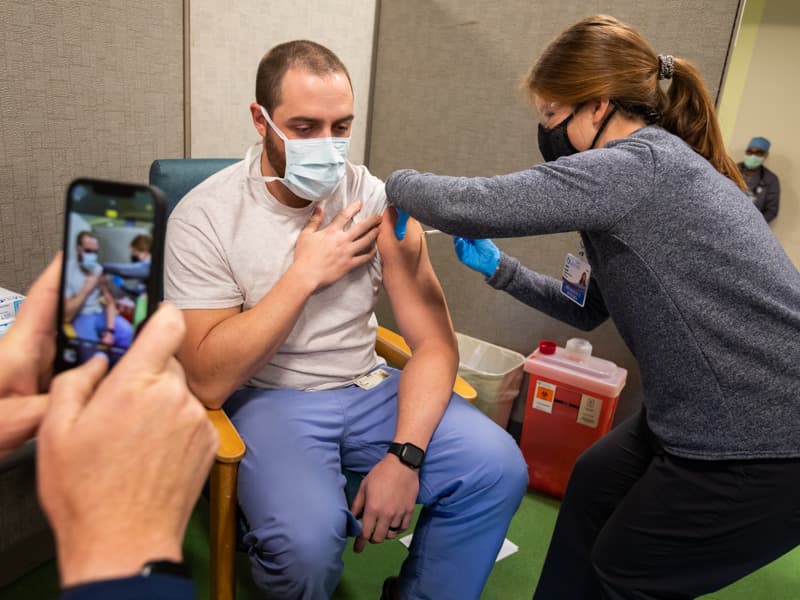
{"x":84,"y":234}
{"x":301,"y":54}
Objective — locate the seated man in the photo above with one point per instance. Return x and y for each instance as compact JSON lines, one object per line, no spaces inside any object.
{"x":278,"y":284}
{"x":93,"y":320}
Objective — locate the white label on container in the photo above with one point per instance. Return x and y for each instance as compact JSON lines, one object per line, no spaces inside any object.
{"x":543,"y":396}
{"x":589,"y":412}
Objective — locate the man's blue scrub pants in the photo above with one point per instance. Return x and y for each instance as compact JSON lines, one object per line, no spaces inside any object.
{"x":92,"y":326}
{"x":291,"y":489}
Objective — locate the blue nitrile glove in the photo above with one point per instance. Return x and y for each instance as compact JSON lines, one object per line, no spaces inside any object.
{"x":400,"y":226}
{"x":480,"y":255}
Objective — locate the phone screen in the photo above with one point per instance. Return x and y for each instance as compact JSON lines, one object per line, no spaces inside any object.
{"x":111,"y":276}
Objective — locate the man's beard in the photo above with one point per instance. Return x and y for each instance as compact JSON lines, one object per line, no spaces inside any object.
{"x":276,"y":158}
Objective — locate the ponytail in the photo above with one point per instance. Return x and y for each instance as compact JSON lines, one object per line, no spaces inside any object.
{"x":689,"y":114}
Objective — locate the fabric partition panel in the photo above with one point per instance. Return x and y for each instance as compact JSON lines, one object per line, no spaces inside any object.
{"x":87,"y":88}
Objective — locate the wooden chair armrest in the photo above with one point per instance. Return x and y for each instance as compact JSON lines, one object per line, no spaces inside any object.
{"x":231,"y":447}
{"x":394,"y":349}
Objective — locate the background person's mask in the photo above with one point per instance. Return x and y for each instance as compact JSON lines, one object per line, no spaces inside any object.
{"x":314,"y":167}
{"x":753,"y":161}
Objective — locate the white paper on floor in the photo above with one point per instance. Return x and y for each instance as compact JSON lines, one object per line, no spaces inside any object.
{"x":507,"y":549}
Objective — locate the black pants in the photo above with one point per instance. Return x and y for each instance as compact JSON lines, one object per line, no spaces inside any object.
{"x":638,"y":523}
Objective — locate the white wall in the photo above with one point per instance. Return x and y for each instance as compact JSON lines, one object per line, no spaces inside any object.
{"x":765,"y":85}
{"x":228,"y":43}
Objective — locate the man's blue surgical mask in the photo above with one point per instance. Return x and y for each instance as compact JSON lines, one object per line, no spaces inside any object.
{"x":753,"y":161}
{"x":314,"y":167}
{"x":89,"y":262}
{"x":88,"y":259}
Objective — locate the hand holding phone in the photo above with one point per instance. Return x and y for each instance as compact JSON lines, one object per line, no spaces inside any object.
{"x":27,"y":366}
{"x":107,"y":473}
{"x":110,"y":228}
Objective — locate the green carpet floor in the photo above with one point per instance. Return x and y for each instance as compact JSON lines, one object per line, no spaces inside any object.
{"x":513,"y":578}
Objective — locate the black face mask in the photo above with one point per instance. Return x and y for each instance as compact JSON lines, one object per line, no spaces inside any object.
{"x":554,"y":142}
{"x":135,"y":258}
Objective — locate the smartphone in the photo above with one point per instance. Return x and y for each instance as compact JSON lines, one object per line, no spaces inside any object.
{"x":111,"y":278}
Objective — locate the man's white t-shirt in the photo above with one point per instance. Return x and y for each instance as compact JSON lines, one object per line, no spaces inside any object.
{"x":76,"y":278}
{"x":229,"y":241}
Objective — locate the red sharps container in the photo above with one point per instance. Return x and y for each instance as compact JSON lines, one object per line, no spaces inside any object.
{"x":571,"y":400}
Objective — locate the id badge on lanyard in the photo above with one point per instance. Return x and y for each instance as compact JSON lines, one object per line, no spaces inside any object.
{"x":575,"y":277}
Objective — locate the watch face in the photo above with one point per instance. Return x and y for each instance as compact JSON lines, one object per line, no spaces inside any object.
{"x":412,"y":456}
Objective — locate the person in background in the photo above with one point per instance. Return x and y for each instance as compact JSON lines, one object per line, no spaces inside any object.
{"x":92,"y":319}
{"x":277,"y":262}
{"x":107,"y":477}
{"x":139,"y":265}
{"x":763,"y":185}
{"x":703,"y":485}
{"x":131,"y":278}
{"x":140,"y":248}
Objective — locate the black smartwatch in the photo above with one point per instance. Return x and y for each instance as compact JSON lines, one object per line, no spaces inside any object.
{"x":165,"y":567}
{"x":409,"y":454}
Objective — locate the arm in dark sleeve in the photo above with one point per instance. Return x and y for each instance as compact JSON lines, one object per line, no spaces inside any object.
{"x":154,"y":587}
{"x":544,"y":294}
{"x":132,"y":270}
{"x":772,"y":199}
{"x":588,"y":191}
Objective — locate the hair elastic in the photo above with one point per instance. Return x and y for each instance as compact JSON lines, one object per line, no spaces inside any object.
{"x":665,"y":66}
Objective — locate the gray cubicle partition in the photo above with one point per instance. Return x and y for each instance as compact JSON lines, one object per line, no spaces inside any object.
{"x":446,"y":99}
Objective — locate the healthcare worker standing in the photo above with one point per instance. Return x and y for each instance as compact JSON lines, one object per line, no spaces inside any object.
{"x":703,"y":485}
{"x":763,"y":185}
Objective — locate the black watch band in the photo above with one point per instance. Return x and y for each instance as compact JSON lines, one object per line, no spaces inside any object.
{"x":166,"y":567}
{"x":409,"y":454}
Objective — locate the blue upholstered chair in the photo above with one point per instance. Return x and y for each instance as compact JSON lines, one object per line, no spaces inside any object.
{"x":175,"y":177}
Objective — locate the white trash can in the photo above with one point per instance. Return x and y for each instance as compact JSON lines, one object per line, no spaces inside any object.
{"x":495,"y":373}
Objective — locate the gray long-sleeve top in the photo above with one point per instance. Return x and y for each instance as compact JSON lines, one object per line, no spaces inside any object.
{"x":685,"y":265}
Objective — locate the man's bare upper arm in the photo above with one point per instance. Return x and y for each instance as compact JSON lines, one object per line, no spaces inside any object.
{"x":414,"y":291}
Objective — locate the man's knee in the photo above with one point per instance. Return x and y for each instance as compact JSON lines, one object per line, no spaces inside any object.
{"x":503,"y":465}
{"x":304,"y":560}
{"x":515,"y":469}
{"x":123,"y":332}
